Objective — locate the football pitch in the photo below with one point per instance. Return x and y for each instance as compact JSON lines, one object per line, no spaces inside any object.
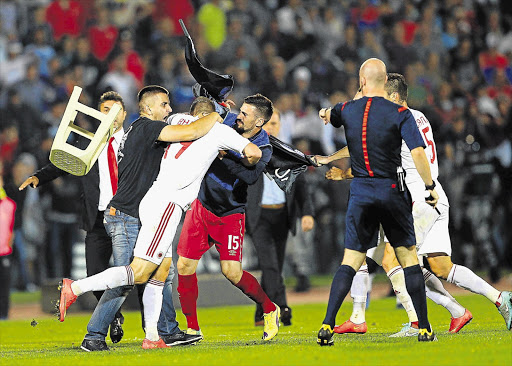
{"x":231,"y":339}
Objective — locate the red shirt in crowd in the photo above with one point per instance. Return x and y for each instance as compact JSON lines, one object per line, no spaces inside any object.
{"x":102,"y":40}
{"x":65,"y":20}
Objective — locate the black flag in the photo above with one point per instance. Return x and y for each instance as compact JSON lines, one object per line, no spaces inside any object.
{"x":286,"y":163}
{"x":218,"y":86}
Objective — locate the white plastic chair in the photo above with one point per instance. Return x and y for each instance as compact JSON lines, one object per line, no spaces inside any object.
{"x":73,"y":159}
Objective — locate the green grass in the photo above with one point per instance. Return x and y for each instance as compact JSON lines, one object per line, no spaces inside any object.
{"x":230,"y":338}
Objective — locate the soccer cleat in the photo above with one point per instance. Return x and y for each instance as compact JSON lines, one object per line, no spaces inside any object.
{"x":505,"y":308}
{"x":181,"y":338}
{"x":350,"y":327}
{"x":116,"y":330}
{"x":271,"y":326}
{"x":147,"y":344}
{"x":325,"y":336}
{"x":196,"y":333}
{"x":458,"y":323}
{"x":286,"y":316}
{"x":425,"y":336}
{"x":67,"y":297}
{"x":406,"y":331}
{"x":93,"y":345}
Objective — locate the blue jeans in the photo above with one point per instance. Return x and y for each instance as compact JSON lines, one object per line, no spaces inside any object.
{"x":123,"y":229}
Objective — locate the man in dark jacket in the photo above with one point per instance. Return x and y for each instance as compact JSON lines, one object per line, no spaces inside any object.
{"x":271,"y":214}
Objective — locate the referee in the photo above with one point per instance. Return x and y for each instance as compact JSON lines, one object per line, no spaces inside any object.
{"x":375,"y":128}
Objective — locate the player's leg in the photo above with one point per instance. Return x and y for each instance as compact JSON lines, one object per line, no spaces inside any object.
{"x":437,"y":247}
{"x":249,"y":285}
{"x":123,"y":231}
{"x":188,"y":290}
{"x":465,"y":278}
{"x":395,"y":274}
{"x":192,"y":245}
{"x":358,"y":292}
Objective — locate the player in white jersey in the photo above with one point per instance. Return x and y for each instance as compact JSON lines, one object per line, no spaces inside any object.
{"x":182,"y":169}
{"x":433,"y":242}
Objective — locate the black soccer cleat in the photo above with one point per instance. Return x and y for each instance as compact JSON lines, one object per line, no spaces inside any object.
{"x":425,"y":336}
{"x":325,"y":336}
{"x":286,"y":316}
{"x":116,"y":329}
{"x":92,"y":345}
{"x":181,"y":338}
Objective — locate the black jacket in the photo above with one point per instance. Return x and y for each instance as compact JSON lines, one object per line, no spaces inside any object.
{"x":298,"y":203}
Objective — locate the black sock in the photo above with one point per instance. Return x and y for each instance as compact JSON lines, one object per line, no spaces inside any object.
{"x":340,"y":287}
{"x":415,"y":284}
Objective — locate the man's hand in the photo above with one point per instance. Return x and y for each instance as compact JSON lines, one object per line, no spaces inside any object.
{"x":222,"y":153}
{"x":307,"y":223}
{"x":432,"y":198}
{"x":325,"y":115}
{"x":320,"y":160}
{"x":339,"y":174}
{"x":34,"y":181}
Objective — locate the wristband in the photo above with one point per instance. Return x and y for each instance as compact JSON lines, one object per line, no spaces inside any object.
{"x":431,"y":187}
{"x":2,"y":193}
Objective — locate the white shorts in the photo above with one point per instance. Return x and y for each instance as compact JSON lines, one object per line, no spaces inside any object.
{"x":159,"y":219}
{"x":377,"y":253}
{"x":431,"y":229}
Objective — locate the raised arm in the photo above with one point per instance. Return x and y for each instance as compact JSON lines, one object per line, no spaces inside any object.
{"x":189,"y":132}
{"x":42,"y":176}
{"x":340,"y":154}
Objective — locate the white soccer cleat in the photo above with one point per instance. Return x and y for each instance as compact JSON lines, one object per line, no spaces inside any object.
{"x":406,"y":331}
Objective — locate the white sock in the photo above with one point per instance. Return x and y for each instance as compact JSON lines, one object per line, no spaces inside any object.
{"x":152,"y":300}
{"x":358,"y":292}
{"x":110,"y":278}
{"x":397,"y":278}
{"x":467,"y":279}
{"x":438,"y":294}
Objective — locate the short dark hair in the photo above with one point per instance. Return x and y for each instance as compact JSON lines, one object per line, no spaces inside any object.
{"x":263,"y":105}
{"x":149,"y":91}
{"x":201,"y":105}
{"x":111,"y":95}
{"x":396,"y":84}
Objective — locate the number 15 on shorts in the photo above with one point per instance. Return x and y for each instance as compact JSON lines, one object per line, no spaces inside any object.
{"x":233,"y":242}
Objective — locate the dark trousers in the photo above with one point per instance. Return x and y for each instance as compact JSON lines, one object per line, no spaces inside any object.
{"x":5,"y":288}
{"x":270,"y":243}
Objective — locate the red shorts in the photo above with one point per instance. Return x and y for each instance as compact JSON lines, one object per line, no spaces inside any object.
{"x":202,"y":229}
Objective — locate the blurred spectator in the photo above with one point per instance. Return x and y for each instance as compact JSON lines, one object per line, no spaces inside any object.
{"x":134,"y":63}
{"x":42,"y":49}
{"x":491,"y":60}
{"x":464,"y":68}
{"x":119,"y":79}
{"x":371,"y":48}
{"x":21,"y":170}
{"x":349,"y":49}
{"x":7,"y":214}
{"x":174,"y":10}
{"x":213,"y":19}
{"x":92,"y":69}
{"x":33,"y":90}
{"x":287,"y":16}
{"x":102,"y":35}
{"x":14,"y":68}
{"x":65,"y":17}
{"x":38,"y":23}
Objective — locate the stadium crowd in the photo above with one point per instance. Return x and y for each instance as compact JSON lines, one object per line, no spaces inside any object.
{"x":302,"y":54}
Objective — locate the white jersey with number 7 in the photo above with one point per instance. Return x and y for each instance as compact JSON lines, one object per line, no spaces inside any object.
{"x":185,"y":164}
{"x":412,"y":178}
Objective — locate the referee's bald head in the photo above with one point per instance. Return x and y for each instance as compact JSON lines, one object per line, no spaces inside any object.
{"x":374,"y":72}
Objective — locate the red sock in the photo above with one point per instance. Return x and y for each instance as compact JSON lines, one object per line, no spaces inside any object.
{"x":187,"y":289}
{"x":250,"y":286}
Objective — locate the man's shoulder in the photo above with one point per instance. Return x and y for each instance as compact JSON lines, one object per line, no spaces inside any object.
{"x":261,"y":139}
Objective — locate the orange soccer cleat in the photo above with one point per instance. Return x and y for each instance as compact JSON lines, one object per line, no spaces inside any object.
{"x":458,"y":323}
{"x":67,"y":297}
{"x":147,"y":344}
{"x":350,"y":327}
